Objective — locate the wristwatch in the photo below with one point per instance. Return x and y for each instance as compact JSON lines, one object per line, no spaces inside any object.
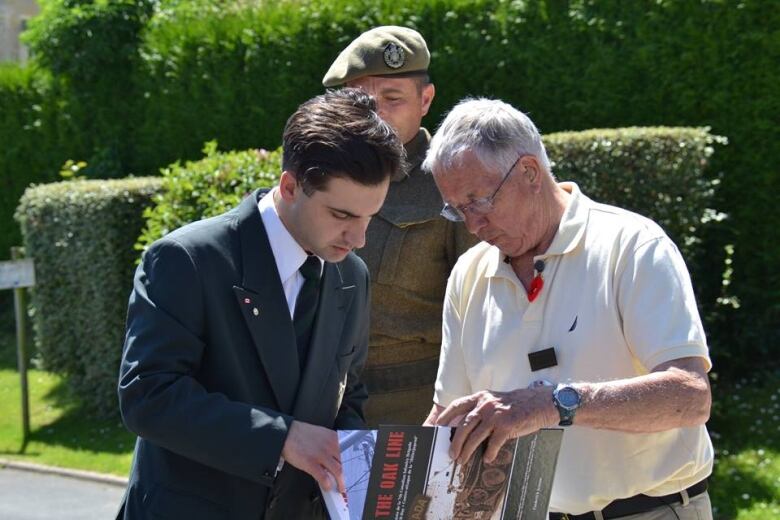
{"x":566,"y":399}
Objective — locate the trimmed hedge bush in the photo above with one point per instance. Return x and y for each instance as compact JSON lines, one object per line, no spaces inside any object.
{"x":657,"y":172}
{"x":207,"y":187}
{"x":81,"y":235}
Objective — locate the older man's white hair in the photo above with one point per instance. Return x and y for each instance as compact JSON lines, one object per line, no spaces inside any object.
{"x":496,"y":132}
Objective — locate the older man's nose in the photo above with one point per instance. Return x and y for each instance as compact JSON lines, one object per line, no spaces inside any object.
{"x":474,"y":222}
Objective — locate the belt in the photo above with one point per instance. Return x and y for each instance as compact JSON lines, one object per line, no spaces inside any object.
{"x":636,"y":504}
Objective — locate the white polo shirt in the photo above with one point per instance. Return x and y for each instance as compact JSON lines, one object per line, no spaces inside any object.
{"x":617,"y":301}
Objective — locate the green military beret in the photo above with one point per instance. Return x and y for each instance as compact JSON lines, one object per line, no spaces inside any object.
{"x":382,"y":51}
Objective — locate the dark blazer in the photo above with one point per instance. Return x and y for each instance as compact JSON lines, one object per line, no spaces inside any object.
{"x":209,"y":379}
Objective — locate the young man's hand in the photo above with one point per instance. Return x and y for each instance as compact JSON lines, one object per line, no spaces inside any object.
{"x":315,"y":450}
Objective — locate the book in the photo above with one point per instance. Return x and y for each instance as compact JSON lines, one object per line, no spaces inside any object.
{"x":406,"y":473}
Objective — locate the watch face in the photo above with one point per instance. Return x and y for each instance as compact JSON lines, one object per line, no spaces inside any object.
{"x":568,"y":397}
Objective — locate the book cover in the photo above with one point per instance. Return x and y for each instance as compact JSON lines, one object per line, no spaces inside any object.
{"x":406,"y":473}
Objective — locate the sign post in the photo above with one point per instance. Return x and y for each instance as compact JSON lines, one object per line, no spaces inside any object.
{"x":18,"y":274}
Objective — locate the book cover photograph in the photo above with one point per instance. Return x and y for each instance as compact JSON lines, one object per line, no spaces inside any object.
{"x":405,"y":472}
{"x":357,"y":454}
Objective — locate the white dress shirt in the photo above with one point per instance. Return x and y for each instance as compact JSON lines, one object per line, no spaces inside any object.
{"x":288,"y":254}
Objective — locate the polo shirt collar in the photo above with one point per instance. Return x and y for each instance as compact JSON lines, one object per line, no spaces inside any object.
{"x":571,"y":231}
{"x":572,"y":226}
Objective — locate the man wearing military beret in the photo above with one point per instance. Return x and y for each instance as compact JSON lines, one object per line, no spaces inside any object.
{"x":410,"y":249}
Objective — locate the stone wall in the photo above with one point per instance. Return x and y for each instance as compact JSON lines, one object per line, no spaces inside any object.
{"x":14,"y":15}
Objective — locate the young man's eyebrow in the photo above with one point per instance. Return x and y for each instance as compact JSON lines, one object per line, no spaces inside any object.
{"x":349,"y":213}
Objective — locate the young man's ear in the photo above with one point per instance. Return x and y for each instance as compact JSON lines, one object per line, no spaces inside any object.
{"x":288,"y":186}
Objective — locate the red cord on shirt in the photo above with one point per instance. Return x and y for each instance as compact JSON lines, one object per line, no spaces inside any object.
{"x":536,"y":287}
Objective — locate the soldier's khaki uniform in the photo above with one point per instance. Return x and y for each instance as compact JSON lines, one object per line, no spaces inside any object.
{"x":410,"y":250}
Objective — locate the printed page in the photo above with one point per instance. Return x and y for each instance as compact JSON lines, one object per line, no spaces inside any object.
{"x":357,"y":452}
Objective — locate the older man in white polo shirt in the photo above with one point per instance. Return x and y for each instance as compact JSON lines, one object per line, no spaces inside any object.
{"x":569,"y":313}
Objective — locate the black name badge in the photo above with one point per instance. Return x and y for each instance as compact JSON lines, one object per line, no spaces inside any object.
{"x":542,"y":359}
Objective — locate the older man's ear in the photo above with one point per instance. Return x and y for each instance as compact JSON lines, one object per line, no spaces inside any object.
{"x":532,"y":172}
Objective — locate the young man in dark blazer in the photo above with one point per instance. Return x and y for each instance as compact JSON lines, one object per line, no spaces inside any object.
{"x":238,"y":362}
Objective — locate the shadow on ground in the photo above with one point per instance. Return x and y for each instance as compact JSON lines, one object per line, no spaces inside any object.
{"x":70,"y":431}
{"x":76,"y":428}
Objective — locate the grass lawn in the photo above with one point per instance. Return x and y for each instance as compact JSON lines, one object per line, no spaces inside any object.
{"x":745,"y":429}
{"x":60,"y":434}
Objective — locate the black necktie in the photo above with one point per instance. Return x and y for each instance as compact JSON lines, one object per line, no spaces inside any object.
{"x":306,"y":306}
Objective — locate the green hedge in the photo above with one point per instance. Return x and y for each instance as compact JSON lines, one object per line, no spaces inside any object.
{"x":76,"y":101}
{"x":207,"y":187}
{"x":657,"y":172}
{"x":188,"y":71}
{"x":28,"y":142}
{"x":92,"y":50}
{"x":81,"y":235}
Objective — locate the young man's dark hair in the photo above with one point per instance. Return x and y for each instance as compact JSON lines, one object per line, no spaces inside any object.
{"x":339,"y":134}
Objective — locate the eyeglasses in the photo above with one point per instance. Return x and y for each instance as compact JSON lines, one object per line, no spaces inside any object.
{"x":481,"y":206}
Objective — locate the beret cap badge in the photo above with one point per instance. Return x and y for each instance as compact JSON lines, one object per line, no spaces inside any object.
{"x":394,"y":56}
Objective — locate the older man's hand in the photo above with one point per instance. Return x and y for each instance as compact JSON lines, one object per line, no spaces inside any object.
{"x":497,"y":416}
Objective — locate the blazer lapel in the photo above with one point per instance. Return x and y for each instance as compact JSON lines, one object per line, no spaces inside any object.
{"x":335,"y":298}
{"x":264,"y":306}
